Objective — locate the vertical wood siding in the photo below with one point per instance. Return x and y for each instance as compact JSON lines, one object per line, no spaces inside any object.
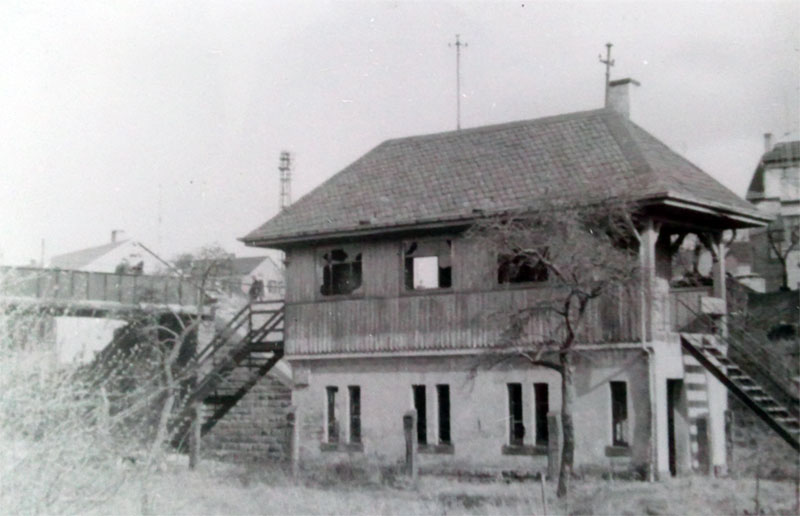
{"x":446,"y":321}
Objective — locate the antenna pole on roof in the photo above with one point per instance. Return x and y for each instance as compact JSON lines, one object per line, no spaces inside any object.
{"x":285,"y":168}
{"x":458,"y":44}
{"x":609,"y":63}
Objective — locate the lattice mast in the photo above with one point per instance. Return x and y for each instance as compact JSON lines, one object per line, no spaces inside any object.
{"x":458,"y":45}
{"x":285,"y":169}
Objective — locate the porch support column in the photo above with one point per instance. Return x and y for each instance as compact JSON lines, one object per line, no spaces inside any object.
{"x":648,"y":236}
{"x":718,"y":251}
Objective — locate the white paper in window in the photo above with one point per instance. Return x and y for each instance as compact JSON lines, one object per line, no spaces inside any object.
{"x":426,"y":272}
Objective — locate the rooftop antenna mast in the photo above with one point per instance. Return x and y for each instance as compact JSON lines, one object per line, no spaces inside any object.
{"x":285,"y":168}
{"x":609,"y":63}
{"x":458,"y":44}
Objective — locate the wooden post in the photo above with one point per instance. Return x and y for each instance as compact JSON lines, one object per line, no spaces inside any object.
{"x":409,"y":427}
{"x":294,"y":440}
{"x":194,"y":437}
{"x":729,"y":423}
{"x":554,"y":439}
{"x":719,"y":275}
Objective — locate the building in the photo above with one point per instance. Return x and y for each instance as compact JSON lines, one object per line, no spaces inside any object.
{"x":386,"y":298}
{"x":775,"y":189}
{"x":77,"y":339}
{"x":118,"y":255}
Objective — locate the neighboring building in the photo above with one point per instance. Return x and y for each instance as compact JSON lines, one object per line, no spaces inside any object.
{"x":775,"y":189}
{"x":263,"y":268}
{"x":115,"y":256}
{"x":387,"y":302}
{"x":77,"y":339}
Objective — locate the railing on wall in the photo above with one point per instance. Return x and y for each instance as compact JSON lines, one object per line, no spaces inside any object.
{"x":77,"y":286}
{"x":450,"y":321}
{"x":684,"y":307}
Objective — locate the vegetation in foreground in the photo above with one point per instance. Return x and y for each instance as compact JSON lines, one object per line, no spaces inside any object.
{"x":218,"y":488}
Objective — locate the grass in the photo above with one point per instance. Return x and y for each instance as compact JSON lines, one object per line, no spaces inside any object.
{"x":219,"y":488}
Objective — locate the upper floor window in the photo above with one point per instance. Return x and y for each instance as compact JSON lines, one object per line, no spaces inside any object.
{"x":520,"y":268}
{"x":341,"y":271}
{"x":427,"y":264}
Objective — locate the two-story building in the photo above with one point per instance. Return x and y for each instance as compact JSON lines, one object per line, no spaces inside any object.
{"x":388,"y":305}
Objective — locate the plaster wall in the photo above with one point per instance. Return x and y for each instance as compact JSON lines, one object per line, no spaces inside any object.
{"x":479,"y":406}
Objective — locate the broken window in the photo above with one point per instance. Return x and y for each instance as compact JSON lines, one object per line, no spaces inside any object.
{"x":428,"y":265}
{"x":341,"y":271}
{"x":521,"y":268}
{"x":619,"y":413}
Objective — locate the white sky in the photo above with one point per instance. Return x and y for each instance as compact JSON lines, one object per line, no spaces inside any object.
{"x":104,"y":104}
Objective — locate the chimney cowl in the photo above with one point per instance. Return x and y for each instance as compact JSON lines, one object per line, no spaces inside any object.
{"x":619,"y":95}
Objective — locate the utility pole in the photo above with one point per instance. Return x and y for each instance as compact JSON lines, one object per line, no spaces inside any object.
{"x":285,"y":168}
{"x":458,"y":44}
{"x":609,"y":63}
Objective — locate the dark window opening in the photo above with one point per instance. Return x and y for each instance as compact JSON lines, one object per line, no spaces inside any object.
{"x":419,"y":405}
{"x":341,"y":272}
{"x":619,"y":413}
{"x":427,"y":265}
{"x":443,"y":397}
{"x":541,"y":397}
{"x":355,"y":413}
{"x":520,"y":268}
{"x":516,"y":427}
{"x":333,"y":425}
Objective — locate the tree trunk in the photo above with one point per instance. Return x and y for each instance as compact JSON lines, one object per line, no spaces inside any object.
{"x":568,"y":429}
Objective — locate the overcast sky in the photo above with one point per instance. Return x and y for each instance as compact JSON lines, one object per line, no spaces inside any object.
{"x":166,"y":119}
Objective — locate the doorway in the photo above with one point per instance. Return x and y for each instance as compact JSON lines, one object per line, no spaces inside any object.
{"x":677,"y":428}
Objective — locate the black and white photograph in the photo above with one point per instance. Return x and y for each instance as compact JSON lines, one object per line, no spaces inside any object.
{"x":395,"y":257}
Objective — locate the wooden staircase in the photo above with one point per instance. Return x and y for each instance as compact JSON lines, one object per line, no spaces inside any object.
{"x":240,"y":354}
{"x":784,"y":422}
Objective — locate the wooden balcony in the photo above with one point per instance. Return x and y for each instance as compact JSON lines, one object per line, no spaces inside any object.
{"x":85,"y":290}
{"x":447,"y":321}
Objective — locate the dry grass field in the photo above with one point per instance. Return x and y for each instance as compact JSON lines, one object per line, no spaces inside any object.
{"x":218,"y":488}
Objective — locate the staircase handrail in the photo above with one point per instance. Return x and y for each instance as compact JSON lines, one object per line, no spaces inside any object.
{"x":221,"y":338}
{"x":773,"y":372}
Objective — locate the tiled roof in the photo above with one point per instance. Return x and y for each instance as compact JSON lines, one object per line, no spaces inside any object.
{"x":784,"y":153}
{"x":83,"y":257}
{"x":447,"y":176}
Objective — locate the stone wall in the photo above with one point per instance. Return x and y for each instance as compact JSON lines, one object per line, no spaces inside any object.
{"x":254,"y":430}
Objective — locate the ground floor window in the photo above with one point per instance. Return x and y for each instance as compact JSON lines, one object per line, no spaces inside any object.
{"x":355,"y":413}
{"x":516,"y":427}
{"x":619,"y":413}
{"x":542,"y":400}
{"x":332,"y":424}
{"x":443,"y":398}
{"x":419,"y":405}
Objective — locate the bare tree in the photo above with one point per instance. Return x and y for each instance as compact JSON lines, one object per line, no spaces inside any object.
{"x":581,"y":252}
{"x":783,"y":238}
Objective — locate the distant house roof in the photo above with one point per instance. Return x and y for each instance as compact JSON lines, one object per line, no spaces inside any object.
{"x":83,"y":257}
{"x":451,"y":176}
{"x":246,"y":265}
{"x":782,"y":154}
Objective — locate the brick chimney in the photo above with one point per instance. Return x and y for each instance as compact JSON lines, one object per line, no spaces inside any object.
{"x":115,"y":233}
{"x":767,"y":142}
{"x":619,"y":96}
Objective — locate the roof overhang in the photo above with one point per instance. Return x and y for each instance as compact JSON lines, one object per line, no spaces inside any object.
{"x":670,"y":205}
